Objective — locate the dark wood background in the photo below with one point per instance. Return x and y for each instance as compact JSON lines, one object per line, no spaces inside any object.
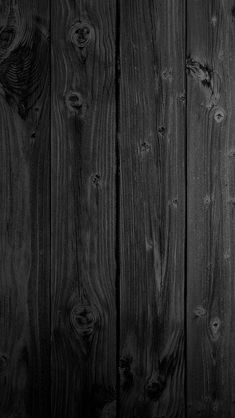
{"x":117,"y":200}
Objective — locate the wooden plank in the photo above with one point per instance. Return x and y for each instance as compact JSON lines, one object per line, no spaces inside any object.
{"x":24,"y":210}
{"x":211,"y":192}
{"x":152,"y":153}
{"x":83,"y":209}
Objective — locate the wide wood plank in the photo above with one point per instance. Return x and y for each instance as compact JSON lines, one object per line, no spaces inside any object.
{"x":152,"y":213}
{"x":83,"y":209}
{"x":24,"y":210}
{"x":211,"y":197}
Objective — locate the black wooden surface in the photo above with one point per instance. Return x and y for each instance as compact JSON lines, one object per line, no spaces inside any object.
{"x":210,"y":261}
{"x":83,"y":208}
{"x":24,"y":209}
{"x":152,"y":151}
{"x":117,"y":236}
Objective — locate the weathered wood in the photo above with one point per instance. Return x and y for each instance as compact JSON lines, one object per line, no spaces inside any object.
{"x":83,"y":199}
{"x":83,"y":209}
{"x":211,"y":193}
{"x":24,"y":210}
{"x":152,"y":214}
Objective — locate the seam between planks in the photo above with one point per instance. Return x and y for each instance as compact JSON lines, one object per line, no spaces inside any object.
{"x":186,"y":203}
{"x":117,"y":192}
{"x":50,"y":139}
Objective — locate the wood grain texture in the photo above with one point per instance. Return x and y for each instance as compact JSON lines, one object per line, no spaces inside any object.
{"x":83,"y":209}
{"x":89,"y":190}
{"x":152,"y":218}
{"x":24,"y":210}
{"x":211,"y":233}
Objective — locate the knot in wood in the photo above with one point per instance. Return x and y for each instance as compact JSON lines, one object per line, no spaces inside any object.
{"x":162,"y":130}
{"x":200,"y":72}
{"x":96,"y":180}
{"x":83,"y":320}
{"x":81,"y":34}
{"x":4,"y":362}
{"x":215,"y":325}
{"x":219,"y":115}
{"x":174,"y":202}
{"x":75,"y":103}
{"x":145,"y":147}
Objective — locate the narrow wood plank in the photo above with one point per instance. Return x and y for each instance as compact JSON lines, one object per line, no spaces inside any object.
{"x":83,"y":209}
{"x":152,"y":148}
{"x":211,"y":193}
{"x":24,"y":210}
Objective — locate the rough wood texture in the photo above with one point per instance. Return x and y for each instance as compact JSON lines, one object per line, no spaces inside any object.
{"x":83,"y":209}
{"x":24,"y":210}
{"x":152,"y":155}
{"x":211,"y":197}
{"x":116,"y":177}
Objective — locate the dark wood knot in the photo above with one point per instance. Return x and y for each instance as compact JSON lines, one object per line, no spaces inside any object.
{"x":96,"y":180}
{"x":4,"y":362}
{"x":162,"y":130}
{"x":219,"y":115}
{"x":81,"y":34}
{"x":200,"y":72}
{"x":215,"y":325}
{"x":75,"y":103}
{"x":174,"y":202}
{"x":145,"y":147}
{"x":83,"y":320}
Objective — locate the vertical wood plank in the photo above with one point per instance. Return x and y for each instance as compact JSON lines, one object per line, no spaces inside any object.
{"x":24,"y":209}
{"x":152,"y":152}
{"x":211,"y":233}
{"x":83,"y":209}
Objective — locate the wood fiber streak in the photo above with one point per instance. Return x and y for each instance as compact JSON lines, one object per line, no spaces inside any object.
{"x":24,"y":210}
{"x":152,"y":214}
{"x":211,"y":197}
{"x":83,"y":209}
